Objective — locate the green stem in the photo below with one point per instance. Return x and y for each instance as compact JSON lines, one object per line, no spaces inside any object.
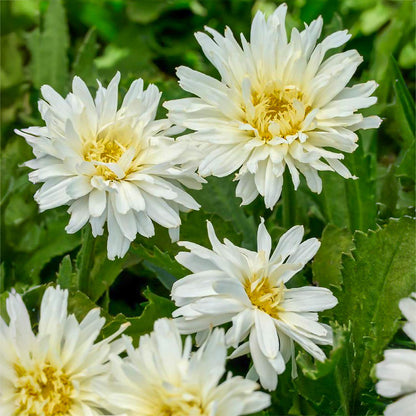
{"x":85,"y":260}
{"x":289,"y":201}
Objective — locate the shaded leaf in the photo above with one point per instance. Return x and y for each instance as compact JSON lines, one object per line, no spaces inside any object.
{"x":327,"y":263}
{"x":156,"y":307}
{"x":49,"y":63}
{"x":55,"y":242}
{"x":166,"y":268}
{"x":84,"y":65}
{"x":218,"y":197}
{"x":66,"y":277}
{"x":405,"y":100}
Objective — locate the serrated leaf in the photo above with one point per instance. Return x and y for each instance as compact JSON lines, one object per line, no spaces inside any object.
{"x":326,"y":266}
{"x":84,"y":65}
{"x":379,"y":273}
{"x":49,"y":60}
{"x":156,"y":307}
{"x":218,"y":197}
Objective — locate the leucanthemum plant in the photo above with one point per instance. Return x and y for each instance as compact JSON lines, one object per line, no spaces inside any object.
{"x":248,"y":289}
{"x":163,"y":377}
{"x":59,"y":371}
{"x":397,"y":372}
{"x":279,"y":105}
{"x":119,"y":167}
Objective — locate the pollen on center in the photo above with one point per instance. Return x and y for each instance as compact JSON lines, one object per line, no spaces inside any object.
{"x":264,"y":295}
{"x":277,"y":112}
{"x":43,"y":390}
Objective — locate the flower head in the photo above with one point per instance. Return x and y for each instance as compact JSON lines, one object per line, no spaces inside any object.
{"x":59,"y":371}
{"x":115,"y":166}
{"x":397,"y":373}
{"x":248,"y":289}
{"x":162,"y":377}
{"x":280,"y":104}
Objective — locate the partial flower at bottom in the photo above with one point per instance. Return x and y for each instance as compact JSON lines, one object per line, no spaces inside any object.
{"x":397,"y":373}
{"x":60,"y":371}
{"x":162,"y":377}
{"x":248,"y":289}
{"x":119,"y":167}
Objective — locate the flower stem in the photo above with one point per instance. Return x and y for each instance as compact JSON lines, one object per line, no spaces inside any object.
{"x":85,"y":260}
{"x":289,"y":202}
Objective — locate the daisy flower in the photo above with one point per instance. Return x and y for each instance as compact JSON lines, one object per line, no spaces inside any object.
{"x":248,"y":289}
{"x":397,"y":373}
{"x":109,"y":165}
{"x":60,"y":371}
{"x":279,"y":104}
{"x":162,"y":377}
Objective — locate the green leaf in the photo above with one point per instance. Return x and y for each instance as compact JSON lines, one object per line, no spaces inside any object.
{"x":407,"y":165}
{"x":327,"y":385}
{"x":218,"y":197}
{"x":326,"y":266}
{"x":166,"y":268}
{"x":84,"y":65}
{"x":80,"y":304}
{"x":55,"y":243}
{"x":156,"y":307}
{"x":85,"y":260}
{"x":104,"y":271}
{"x":351,"y":203}
{"x":66,"y":277}
{"x":405,"y":100}
{"x":379,"y":273}
{"x":11,"y":71}
{"x":389,"y":192}
{"x":49,"y":60}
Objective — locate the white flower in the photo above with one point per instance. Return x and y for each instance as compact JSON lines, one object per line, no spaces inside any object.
{"x":397,"y":373}
{"x":118,"y":166}
{"x":59,"y":371}
{"x":163,"y":378}
{"x":279,"y":105}
{"x":246,"y":288}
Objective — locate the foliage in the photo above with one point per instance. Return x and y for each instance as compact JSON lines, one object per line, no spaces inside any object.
{"x":366,"y":225}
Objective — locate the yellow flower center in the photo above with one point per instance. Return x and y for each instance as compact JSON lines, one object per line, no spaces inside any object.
{"x":277,"y":112}
{"x":180,"y":405}
{"x":43,"y":391}
{"x":265,"y":296}
{"x":104,"y":150}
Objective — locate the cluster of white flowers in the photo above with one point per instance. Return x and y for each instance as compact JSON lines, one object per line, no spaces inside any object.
{"x":63,"y":371}
{"x":280,"y":104}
